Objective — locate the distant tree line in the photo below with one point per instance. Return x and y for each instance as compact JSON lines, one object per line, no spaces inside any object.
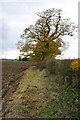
{"x":23,"y":59}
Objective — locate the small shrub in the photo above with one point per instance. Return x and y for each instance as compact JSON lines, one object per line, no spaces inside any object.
{"x":41,"y":65}
{"x":25,"y":59}
{"x":52,"y":67}
{"x":75,"y":65}
{"x":23,"y":109}
{"x":66,"y":71}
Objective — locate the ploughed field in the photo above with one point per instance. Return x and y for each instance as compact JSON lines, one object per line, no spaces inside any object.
{"x":11,"y":73}
{"x":30,"y":92}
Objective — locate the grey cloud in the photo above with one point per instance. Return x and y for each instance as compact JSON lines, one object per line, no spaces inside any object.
{"x":14,"y":8}
{"x":15,"y":17}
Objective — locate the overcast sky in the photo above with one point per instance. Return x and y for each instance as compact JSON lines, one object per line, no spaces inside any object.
{"x":16,"y":15}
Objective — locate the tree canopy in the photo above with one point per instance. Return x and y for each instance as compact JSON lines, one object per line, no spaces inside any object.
{"x":44,"y":39}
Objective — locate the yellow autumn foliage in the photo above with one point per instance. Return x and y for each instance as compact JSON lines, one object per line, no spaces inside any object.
{"x":75,"y":65}
{"x":44,"y":39}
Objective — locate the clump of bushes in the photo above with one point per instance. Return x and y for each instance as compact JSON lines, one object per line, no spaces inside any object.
{"x":41,"y":65}
{"x":62,"y":69}
{"x":23,"y":59}
{"x":75,"y":65}
{"x":52,"y":67}
{"x":66,"y":71}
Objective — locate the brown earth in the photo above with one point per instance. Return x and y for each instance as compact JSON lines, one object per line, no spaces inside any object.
{"x":29,"y":93}
{"x":32,"y":96}
{"x":11,"y":73}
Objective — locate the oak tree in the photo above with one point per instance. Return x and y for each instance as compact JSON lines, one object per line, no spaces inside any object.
{"x":44,"y":39}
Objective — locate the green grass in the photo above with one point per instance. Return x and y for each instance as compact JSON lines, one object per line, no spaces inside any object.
{"x":23,"y":109}
{"x":51,"y":109}
{"x":63,"y":102}
{"x":69,"y":96}
{"x":44,"y":96}
{"x":63,"y":105}
{"x":30,"y":91}
{"x":12,"y":61}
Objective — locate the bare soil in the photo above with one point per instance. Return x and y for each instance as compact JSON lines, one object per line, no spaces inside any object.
{"x":31,"y":97}
{"x":11,"y":74}
{"x":29,"y":93}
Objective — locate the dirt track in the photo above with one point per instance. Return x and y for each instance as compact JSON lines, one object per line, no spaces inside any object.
{"x":31,"y":97}
{"x":11,"y":73}
{"x":30,"y":93}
